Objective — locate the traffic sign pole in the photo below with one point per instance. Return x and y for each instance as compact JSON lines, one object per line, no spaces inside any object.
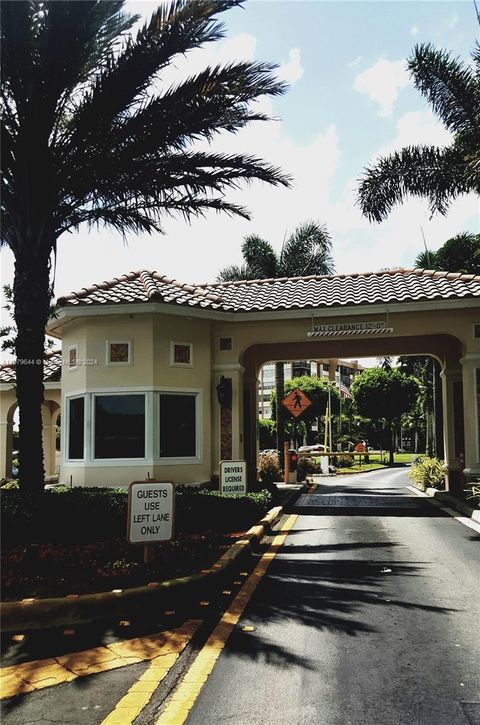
{"x":286,"y":462}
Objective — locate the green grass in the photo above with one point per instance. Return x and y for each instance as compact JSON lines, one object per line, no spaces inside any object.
{"x":376,"y":462}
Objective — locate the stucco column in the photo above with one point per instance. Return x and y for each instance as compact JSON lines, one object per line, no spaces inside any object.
{"x":6,"y":441}
{"x":227,"y":424}
{"x":250,"y":427}
{"x":453,"y":427}
{"x":47,"y":448}
{"x":471,"y":402}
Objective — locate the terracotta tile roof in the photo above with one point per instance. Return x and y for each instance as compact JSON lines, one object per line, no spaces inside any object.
{"x":52,"y":368}
{"x":342,"y":290}
{"x":143,"y":286}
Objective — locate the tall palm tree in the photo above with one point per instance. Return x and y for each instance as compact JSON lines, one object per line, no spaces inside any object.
{"x":452,"y":88}
{"x":88,"y":137}
{"x":306,"y":251}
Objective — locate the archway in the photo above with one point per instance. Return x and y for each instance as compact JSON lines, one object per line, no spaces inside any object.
{"x":447,"y":349}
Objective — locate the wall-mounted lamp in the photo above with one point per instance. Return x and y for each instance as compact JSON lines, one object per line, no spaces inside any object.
{"x":224,"y":392}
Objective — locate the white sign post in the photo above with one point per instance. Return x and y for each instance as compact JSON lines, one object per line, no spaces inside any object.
{"x":233,"y":478}
{"x":150,"y":514}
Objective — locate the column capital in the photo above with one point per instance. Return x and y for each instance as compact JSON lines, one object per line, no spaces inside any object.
{"x":470,"y":358}
{"x":228,"y":368}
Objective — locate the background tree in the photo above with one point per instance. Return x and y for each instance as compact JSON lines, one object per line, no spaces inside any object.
{"x":459,"y":254}
{"x":306,"y":251}
{"x":87,"y":137}
{"x":384,"y":394}
{"x":429,"y":406}
{"x":439,"y":174}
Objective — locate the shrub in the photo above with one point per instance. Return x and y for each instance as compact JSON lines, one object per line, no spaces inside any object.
{"x":269,"y":469}
{"x":307,"y":466}
{"x":10,"y":485}
{"x":76,"y":515}
{"x":343,"y":461}
{"x":473,"y":493}
{"x":428,"y":472}
{"x":267,"y":430}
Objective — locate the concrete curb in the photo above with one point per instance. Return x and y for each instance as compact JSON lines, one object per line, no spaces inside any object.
{"x":454,"y":503}
{"x":86,"y":608}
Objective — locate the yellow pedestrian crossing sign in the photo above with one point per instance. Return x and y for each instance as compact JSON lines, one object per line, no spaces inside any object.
{"x":296,"y":402}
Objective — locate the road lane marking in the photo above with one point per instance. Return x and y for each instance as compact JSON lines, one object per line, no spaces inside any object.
{"x":183,"y":699}
{"x":162,"y":648}
{"x":451,"y":512}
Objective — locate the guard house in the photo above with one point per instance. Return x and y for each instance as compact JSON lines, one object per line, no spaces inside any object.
{"x":159,"y":378}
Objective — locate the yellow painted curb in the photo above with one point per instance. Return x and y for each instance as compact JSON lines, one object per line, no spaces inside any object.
{"x":162,"y":649}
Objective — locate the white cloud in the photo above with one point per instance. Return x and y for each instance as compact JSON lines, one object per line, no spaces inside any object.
{"x":414,"y":30}
{"x":453,"y":21}
{"x":292,"y":70}
{"x":382,"y":83}
{"x":355,"y":61}
{"x":398,"y":239}
{"x":414,"y":128}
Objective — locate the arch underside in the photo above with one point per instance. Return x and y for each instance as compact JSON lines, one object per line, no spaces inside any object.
{"x":446,"y":348}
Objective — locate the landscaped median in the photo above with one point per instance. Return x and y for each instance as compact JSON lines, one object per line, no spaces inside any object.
{"x":71,"y":610}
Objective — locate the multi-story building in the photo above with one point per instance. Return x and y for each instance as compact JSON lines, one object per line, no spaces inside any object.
{"x":335,"y":370}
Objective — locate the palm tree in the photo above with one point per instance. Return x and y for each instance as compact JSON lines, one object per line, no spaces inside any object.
{"x":87,"y":137}
{"x":461,"y":253}
{"x":440,"y":174}
{"x":306,"y":251}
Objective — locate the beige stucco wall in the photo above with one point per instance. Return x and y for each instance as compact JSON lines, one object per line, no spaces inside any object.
{"x":443,"y":329}
{"x":150,"y":371}
{"x":290,"y":328}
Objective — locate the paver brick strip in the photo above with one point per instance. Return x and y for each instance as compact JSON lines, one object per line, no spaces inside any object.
{"x":162,"y":648}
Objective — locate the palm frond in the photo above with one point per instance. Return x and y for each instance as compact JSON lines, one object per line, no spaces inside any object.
{"x":307,"y":251}
{"x":173,"y":29}
{"x":162,"y":184}
{"x":233,"y":273}
{"x":260,"y":258}
{"x":426,"y":260}
{"x":449,"y":86}
{"x":419,"y":171}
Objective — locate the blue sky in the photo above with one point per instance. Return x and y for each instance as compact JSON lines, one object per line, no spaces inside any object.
{"x":350,"y":100}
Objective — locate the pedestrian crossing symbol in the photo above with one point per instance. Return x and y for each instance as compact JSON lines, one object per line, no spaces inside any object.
{"x":296,"y":402}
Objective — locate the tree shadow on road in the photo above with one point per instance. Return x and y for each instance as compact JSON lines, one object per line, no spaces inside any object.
{"x":332,"y":595}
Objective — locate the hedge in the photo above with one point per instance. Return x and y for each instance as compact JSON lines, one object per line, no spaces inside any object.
{"x":100,"y":514}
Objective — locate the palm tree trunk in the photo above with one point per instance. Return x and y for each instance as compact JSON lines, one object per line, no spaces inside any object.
{"x":32,"y":295}
{"x":280,"y":411}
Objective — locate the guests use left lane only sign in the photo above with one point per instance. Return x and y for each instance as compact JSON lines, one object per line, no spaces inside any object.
{"x":233,"y":478}
{"x":150,"y":512}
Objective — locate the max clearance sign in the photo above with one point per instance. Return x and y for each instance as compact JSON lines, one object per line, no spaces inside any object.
{"x":233,"y":478}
